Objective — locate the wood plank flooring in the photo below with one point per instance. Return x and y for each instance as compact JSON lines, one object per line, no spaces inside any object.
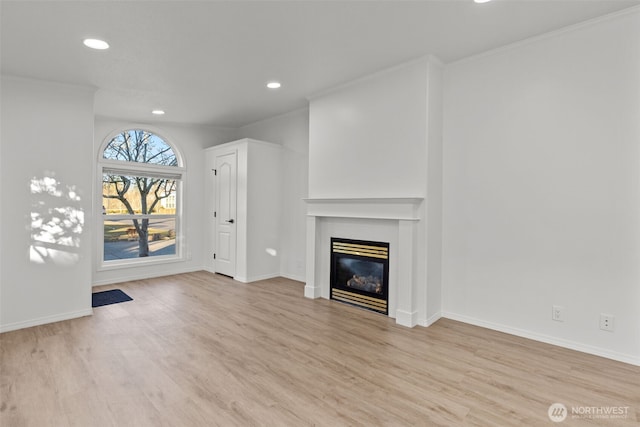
{"x":199,"y":349}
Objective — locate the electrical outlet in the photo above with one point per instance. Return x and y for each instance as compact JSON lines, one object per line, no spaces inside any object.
{"x":557,"y":313}
{"x":607,"y":322}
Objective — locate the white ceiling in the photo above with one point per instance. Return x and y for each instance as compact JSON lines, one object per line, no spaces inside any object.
{"x":207,"y":62}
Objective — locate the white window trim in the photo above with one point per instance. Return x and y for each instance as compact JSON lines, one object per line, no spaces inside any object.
{"x":140,"y":169}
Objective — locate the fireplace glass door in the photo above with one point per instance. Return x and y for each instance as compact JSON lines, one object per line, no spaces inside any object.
{"x":360,"y":273}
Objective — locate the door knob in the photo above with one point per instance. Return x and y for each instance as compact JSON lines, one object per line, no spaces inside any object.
{"x":230,"y":221}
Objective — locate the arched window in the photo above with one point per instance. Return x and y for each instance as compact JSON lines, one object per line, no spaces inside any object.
{"x":141,"y":184}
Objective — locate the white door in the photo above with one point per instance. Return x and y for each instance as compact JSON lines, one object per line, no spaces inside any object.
{"x":225,"y":216}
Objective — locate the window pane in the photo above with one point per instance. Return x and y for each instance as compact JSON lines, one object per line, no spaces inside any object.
{"x":129,"y":195}
{"x":141,"y":147}
{"x":134,"y":238}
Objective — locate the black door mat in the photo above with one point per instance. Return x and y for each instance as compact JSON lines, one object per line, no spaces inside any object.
{"x":113,"y":296}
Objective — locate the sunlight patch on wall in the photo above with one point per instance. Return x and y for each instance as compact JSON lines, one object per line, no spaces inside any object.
{"x":57,"y":221}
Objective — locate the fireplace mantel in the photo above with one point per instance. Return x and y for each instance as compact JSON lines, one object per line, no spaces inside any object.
{"x":405,"y":213}
{"x":398,"y":208}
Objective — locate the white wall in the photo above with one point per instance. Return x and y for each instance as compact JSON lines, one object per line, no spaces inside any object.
{"x":541,"y":188}
{"x":433,"y":208}
{"x":291,"y":131}
{"x":190,"y":141}
{"x":46,"y":180}
{"x":263,"y":209}
{"x":368,"y":138}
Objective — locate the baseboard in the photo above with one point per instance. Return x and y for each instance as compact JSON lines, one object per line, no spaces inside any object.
{"x":572,"y":345}
{"x":294,"y":277}
{"x":430,"y":320}
{"x":251,"y":279}
{"x":312,"y":292}
{"x":406,"y":318}
{"x":142,"y":276}
{"x":44,"y":320}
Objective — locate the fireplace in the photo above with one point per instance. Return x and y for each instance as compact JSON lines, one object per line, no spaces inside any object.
{"x":360,"y":273}
{"x":398,"y":221}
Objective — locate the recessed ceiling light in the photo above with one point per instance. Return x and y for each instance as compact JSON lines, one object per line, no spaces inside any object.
{"x":482,"y":1}
{"x":96,"y":44}
{"x":157,"y":112}
{"x":273,"y":85}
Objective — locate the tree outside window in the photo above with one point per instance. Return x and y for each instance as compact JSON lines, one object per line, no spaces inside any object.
{"x":140,"y":194}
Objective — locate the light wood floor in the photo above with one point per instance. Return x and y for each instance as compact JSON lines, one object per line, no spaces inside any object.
{"x":201,"y":350}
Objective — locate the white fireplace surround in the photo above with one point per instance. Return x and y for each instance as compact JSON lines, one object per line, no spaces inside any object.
{"x":376,"y":219}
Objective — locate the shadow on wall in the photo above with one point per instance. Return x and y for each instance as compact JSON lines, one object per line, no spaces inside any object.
{"x":56,"y":222}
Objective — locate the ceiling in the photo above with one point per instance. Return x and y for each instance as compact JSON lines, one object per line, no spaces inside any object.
{"x":207,"y":62}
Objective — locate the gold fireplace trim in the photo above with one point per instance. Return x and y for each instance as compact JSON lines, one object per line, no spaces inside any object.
{"x":371,"y":303}
{"x":380,"y":252}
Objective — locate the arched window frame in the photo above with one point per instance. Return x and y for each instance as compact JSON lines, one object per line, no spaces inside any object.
{"x":177,"y":172}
